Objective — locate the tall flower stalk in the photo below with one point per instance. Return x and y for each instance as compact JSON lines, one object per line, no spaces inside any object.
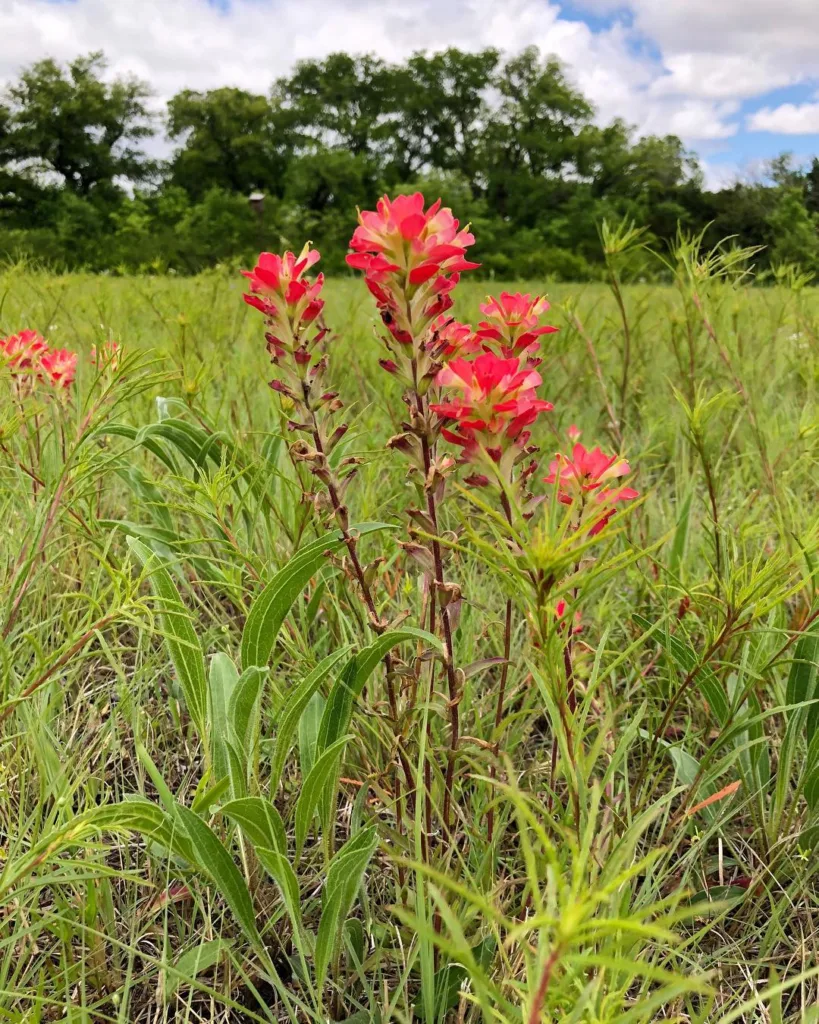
{"x":412,"y":259}
{"x":488,"y":407}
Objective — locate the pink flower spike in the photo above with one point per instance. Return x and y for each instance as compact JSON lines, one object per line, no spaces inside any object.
{"x":513,"y":322}
{"x":584,"y":476}
{"x":494,"y":400}
{"x":59,"y":367}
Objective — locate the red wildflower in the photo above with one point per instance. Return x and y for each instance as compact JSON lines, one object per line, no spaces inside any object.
{"x":584,"y":477}
{"x":560,"y":611}
{"x":289,"y":300}
{"x":451,"y":338}
{"x":497,"y":402}
{"x":23,"y":351}
{"x":412,"y":259}
{"x":58,"y":367}
{"x":513,"y":322}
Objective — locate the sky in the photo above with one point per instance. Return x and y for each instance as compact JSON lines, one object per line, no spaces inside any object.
{"x":738,"y":80}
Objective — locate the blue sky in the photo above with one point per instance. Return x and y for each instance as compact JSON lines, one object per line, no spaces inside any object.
{"x":738,"y":80}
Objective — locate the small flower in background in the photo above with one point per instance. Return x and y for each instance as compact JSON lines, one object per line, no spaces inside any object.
{"x":497,"y":402}
{"x":513,"y":323}
{"x":412,"y":259}
{"x":22,"y":352}
{"x":58,"y":367}
{"x":584,"y":477}
{"x":107,"y":356}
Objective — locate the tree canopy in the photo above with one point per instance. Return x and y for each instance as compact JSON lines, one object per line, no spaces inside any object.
{"x":507,"y":139}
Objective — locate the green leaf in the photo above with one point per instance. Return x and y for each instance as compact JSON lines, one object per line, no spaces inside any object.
{"x":292,"y":710}
{"x":278,"y":867}
{"x":705,"y":680}
{"x":338,"y":711}
{"x":343,"y":880}
{"x":243,"y":717}
{"x":347,"y":688}
{"x":222,"y":682}
{"x":180,"y":636}
{"x":309,"y":725}
{"x":259,"y":820}
{"x":680,"y":542}
{"x":133,"y":434}
{"x":811,"y":781}
{"x":802,"y":677}
{"x":322,"y":778}
{"x":194,"y":961}
{"x":270,"y":608}
{"x":218,"y":864}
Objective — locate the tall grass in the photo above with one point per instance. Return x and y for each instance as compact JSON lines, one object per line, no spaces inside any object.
{"x":186,"y":837}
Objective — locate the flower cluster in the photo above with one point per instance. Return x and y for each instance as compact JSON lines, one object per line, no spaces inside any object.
{"x":412,"y":259}
{"x":292,"y":306}
{"x":513,"y":323}
{"x":30,"y":360}
{"x":583,"y":480}
{"x":106,"y":357}
{"x":494,"y":401}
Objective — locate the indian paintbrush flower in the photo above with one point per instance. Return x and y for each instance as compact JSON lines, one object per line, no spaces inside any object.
{"x":412,"y":259}
{"x":58,"y":367}
{"x":513,"y":323}
{"x":490,"y":404}
{"x":584,"y":479}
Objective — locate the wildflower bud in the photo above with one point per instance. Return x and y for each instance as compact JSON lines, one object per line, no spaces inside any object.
{"x":421,"y":519}
{"x":372,"y":570}
{"x":404,"y":443}
{"x":282,"y":389}
{"x":448,"y":593}
{"x":418,"y":553}
{"x":336,"y":436}
{"x":304,"y":452}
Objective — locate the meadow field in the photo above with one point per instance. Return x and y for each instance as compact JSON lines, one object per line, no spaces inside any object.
{"x":216,"y":807}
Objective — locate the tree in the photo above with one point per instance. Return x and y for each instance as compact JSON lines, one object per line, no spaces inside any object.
{"x":540,"y":117}
{"x":812,"y":187}
{"x":795,"y":231}
{"x":441,"y":113}
{"x":69,"y":122}
{"x":227,"y":140}
{"x":336,"y":103}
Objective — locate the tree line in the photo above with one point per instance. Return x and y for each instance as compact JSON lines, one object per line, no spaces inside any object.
{"x":507,"y":141}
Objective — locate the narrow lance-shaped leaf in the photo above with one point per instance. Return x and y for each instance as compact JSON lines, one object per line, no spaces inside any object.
{"x":343,"y":880}
{"x":292,"y":710}
{"x":242,"y":723}
{"x":271,"y":606}
{"x":338,"y":711}
{"x":259,"y":820}
{"x":212,"y":857}
{"x":222,"y":680}
{"x":180,"y":637}
{"x":322,"y":778}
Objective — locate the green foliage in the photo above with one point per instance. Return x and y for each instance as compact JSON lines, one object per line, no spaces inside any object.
{"x":180,"y":834}
{"x":506,"y":140}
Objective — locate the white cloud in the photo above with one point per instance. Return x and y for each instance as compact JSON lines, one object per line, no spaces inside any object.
{"x":706,"y":55}
{"x":787,"y":119}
